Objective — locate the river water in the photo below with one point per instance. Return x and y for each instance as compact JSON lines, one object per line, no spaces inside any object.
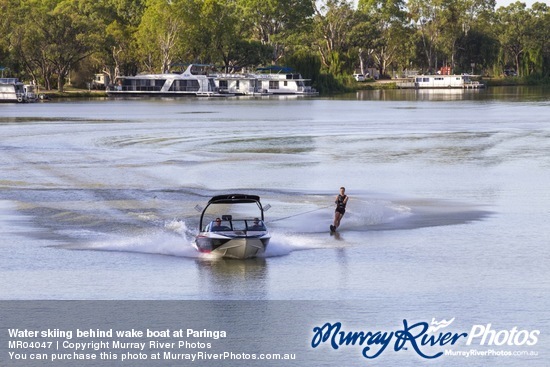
{"x":448,"y":211}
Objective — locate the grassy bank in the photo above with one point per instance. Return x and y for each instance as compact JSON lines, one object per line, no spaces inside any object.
{"x":378,"y":84}
{"x":74,"y":93}
{"x":516,"y":81}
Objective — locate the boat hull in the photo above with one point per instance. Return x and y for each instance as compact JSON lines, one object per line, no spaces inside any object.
{"x":122,"y":94}
{"x":234,"y":248}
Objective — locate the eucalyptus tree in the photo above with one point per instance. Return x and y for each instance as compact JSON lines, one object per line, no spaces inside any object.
{"x":426,"y":16}
{"x":246,"y":53}
{"x":477,"y":50}
{"x":460,"y":17}
{"x":366,"y":37}
{"x":11,"y":15}
{"x":443,"y":23}
{"x":333,"y":23}
{"x":118,"y":52}
{"x":219,"y":32}
{"x":5,"y":25}
{"x":218,"y":29}
{"x":54,"y":35}
{"x":166,"y":33}
{"x":538,"y":45}
{"x":514,"y":31}
{"x":389,"y":37}
{"x":29,"y":43}
{"x":272,"y":22}
{"x":478,"y":47}
{"x":474,"y":11}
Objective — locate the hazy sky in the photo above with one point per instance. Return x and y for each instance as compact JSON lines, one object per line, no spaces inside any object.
{"x":528,"y":2}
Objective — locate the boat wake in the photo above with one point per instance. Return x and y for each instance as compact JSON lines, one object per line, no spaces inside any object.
{"x":365,"y":215}
{"x":361,"y":215}
{"x":175,"y":239}
{"x":120,"y":222}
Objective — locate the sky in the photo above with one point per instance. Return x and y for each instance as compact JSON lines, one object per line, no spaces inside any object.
{"x":528,"y":2}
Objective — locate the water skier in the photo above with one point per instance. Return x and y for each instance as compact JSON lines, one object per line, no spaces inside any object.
{"x":341,"y":201}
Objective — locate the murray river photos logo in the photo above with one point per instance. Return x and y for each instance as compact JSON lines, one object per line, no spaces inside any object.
{"x":426,"y":339}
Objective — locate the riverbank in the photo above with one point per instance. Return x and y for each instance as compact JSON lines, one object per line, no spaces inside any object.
{"x":71,"y":92}
{"x":516,"y":81}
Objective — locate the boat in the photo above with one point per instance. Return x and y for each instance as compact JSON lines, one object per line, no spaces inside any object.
{"x":273,"y":80}
{"x":238,"y":233}
{"x":194,"y":81}
{"x":463,"y":81}
{"x":240,"y":84}
{"x":12,"y":90}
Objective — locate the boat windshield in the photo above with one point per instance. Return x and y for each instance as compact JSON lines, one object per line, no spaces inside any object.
{"x":236,"y":225}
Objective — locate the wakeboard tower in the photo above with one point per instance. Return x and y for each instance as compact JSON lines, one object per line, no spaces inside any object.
{"x":228,"y":227}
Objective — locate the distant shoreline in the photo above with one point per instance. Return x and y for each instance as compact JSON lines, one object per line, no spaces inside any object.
{"x":372,"y":85}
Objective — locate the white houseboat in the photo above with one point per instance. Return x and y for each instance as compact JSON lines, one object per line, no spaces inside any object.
{"x":12,"y":90}
{"x":239,"y":84}
{"x":193,"y":81}
{"x":266,"y":81}
{"x":440,"y":81}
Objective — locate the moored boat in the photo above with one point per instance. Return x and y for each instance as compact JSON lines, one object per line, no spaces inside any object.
{"x":192,"y":82}
{"x":273,"y":80}
{"x":228,"y":227}
{"x":463,"y":81}
{"x":12,"y":90}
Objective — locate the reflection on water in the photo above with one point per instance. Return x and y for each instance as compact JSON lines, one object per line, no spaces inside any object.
{"x":510,"y":94}
{"x":233,"y":279}
{"x":419,"y":94}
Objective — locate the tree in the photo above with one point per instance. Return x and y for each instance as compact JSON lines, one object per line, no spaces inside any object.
{"x":333,"y":23}
{"x":118,"y":50}
{"x":442,"y":23}
{"x":74,"y":31}
{"x":366,"y":37}
{"x":246,"y":53}
{"x":459,"y":16}
{"x":390,"y":34}
{"x":118,"y":54}
{"x":514,"y":25}
{"x":477,"y":46}
{"x":478,"y":50}
{"x":11,"y":15}
{"x":219,"y":32}
{"x":164,"y":32}
{"x":537,"y":54}
{"x":53,"y":36}
{"x":426,"y":14}
{"x":273,"y":21}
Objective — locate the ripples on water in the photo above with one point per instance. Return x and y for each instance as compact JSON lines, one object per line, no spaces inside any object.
{"x":437,"y":181}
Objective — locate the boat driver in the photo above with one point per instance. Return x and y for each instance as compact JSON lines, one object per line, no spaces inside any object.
{"x":218,"y":226}
{"x":257,"y":226}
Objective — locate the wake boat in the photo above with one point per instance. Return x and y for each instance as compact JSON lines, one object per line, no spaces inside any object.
{"x":229,"y":229}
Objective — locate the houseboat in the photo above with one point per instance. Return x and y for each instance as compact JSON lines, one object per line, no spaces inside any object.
{"x":239,"y":84}
{"x":440,"y":81}
{"x":273,"y":80}
{"x":194,"y":81}
{"x":12,"y":90}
